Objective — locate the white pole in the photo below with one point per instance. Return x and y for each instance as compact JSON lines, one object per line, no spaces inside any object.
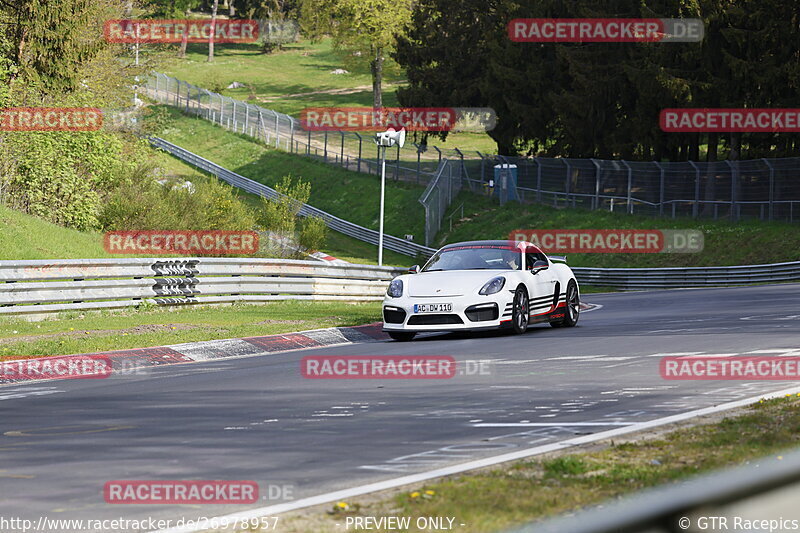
{"x":383,"y":187}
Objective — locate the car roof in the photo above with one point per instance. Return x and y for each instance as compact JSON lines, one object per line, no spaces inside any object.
{"x":499,"y":243}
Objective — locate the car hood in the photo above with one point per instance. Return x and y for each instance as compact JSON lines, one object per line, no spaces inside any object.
{"x":450,"y":282}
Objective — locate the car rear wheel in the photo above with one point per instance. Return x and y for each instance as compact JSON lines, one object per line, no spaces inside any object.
{"x":402,"y":336}
{"x":521,"y":311}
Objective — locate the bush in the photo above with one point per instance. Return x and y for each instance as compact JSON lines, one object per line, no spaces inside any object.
{"x":312,"y":233}
{"x":142,"y":203}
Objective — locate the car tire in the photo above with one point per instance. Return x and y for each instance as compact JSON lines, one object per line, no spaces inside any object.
{"x":402,"y":336}
{"x":572,"y":308}
{"x":520,"y":314}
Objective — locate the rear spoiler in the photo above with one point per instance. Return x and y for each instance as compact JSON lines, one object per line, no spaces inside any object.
{"x":558,"y":258}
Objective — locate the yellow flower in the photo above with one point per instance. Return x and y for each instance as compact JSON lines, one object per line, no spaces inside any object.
{"x":342,"y":505}
{"x":415,"y":494}
{"x":430,"y":492}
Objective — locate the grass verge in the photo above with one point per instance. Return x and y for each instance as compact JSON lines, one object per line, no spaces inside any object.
{"x":349,"y":195}
{"x":501,"y":497}
{"x":73,"y":332}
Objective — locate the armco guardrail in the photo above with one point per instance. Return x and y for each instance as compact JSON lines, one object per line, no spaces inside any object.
{"x":47,"y":286}
{"x":665,"y":278}
{"x":766,"y":490}
{"x":390,"y":242}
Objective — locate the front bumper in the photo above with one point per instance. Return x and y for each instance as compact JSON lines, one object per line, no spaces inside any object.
{"x":470,"y":312}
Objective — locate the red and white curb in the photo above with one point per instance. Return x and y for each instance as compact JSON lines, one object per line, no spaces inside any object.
{"x":126,"y":360}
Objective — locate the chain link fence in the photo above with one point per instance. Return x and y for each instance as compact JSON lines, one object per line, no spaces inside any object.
{"x":766,"y":189}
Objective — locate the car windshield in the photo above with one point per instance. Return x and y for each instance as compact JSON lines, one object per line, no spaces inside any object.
{"x":474,"y":258}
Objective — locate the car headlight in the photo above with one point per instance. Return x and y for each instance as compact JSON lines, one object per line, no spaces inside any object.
{"x":493,"y":286}
{"x":395,"y":288}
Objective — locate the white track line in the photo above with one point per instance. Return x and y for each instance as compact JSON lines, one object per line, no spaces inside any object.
{"x":480,"y":463}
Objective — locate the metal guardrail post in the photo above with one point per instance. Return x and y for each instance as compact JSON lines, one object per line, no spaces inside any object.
{"x":696,"y":205}
{"x":771,"y":188}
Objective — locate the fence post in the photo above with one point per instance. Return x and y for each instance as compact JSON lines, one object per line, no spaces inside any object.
{"x":596,"y":184}
{"x":325,"y":148}
{"x":277,"y":130}
{"x":188,"y":96}
{"x":341,"y":149}
{"x":397,"y":164}
{"x":291,"y":136}
{"x":440,"y":155}
{"x":696,"y":206}
{"x":234,"y":113}
{"x":567,"y":181}
{"x":630,"y":186}
{"x":734,"y":183}
{"x":246,"y":116}
{"x":359,"y":149}
{"x":419,"y":154}
{"x":771,"y":188}
{"x":308,"y":143}
{"x":221,"y":109}
{"x":660,"y":189}
{"x":538,"y":179}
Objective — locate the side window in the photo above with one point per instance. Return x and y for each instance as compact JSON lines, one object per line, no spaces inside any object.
{"x":531,"y":257}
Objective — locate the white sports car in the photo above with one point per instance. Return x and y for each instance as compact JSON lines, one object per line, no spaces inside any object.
{"x":482,"y":285}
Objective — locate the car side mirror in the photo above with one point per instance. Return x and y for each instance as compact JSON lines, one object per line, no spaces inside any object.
{"x":538,"y":266}
{"x":414,"y":269}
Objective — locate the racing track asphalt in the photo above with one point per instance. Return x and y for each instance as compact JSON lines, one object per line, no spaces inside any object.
{"x":258,"y":419}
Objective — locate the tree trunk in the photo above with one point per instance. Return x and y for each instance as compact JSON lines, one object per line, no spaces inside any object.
{"x":231,"y":9}
{"x":184,"y":43}
{"x":212,"y":33}
{"x":376,"y":66}
{"x":713,"y":144}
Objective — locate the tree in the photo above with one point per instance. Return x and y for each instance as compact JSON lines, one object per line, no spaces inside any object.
{"x":357,"y":25}
{"x":213,"y":31}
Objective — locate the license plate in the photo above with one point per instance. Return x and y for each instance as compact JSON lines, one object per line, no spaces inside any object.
{"x":433,"y":308}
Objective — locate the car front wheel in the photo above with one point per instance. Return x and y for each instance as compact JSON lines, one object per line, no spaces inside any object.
{"x":521,"y":311}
